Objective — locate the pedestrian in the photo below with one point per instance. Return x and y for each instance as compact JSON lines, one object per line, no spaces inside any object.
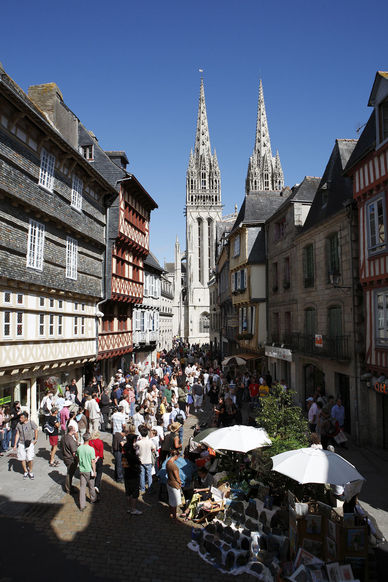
{"x":174,"y":483}
{"x":131,"y":465}
{"x":26,"y":438}
{"x":119,"y":440}
{"x":98,"y":447}
{"x":82,"y":424}
{"x":338,"y":412}
{"x":69,"y":447}
{"x":312,"y":413}
{"x":87,"y":468}
{"x":118,"y":420}
{"x":52,"y":430}
{"x":6,"y":428}
{"x":105,"y":403}
{"x":94,"y":413}
{"x":16,"y":411}
{"x":138,"y":419}
{"x":64,"y":416}
{"x":144,"y":448}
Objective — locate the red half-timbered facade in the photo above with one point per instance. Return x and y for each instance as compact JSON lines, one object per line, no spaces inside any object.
{"x":129,"y":246}
{"x":369,"y":170}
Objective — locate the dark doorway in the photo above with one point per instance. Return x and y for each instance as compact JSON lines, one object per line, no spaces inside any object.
{"x":342,"y":390}
{"x":313,"y":377}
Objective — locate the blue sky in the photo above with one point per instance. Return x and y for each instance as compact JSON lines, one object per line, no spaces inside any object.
{"x":129,"y":70}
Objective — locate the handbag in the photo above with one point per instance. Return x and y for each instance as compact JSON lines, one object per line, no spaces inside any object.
{"x":340,"y":438}
{"x":124,"y":461}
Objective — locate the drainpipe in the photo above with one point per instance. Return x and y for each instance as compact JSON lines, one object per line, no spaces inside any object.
{"x":99,"y":314}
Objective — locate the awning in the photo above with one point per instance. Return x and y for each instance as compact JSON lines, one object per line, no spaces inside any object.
{"x":250,"y":356}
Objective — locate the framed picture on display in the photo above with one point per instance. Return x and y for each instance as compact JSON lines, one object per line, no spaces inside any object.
{"x":314,"y":547}
{"x":313,"y":524}
{"x":346,"y":573}
{"x":333,"y":572}
{"x":331,"y":529}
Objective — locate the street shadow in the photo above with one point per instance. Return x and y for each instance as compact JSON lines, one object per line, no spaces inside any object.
{"x":43,"y":453}
{"x":15,"y":465}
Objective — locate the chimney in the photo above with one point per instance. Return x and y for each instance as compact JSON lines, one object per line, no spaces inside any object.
{"x":48,"y":98}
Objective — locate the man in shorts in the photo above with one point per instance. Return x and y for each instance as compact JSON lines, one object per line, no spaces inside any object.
{"x":174,"y":483}
{"x":25,"y":441}
{"x":87,"y":468}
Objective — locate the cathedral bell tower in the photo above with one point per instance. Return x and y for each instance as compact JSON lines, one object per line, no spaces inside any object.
{"x":203,"y":211}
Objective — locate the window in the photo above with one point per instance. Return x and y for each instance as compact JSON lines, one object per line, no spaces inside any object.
{"x":286,"y":273}
{"x":82,"y":325}
{"x":47,"y":166}
{"x":41,"y":301}
{"x":275,"y":283}
{"x":41,"y":324}
{"x":71,"y":258}
{"x":381,"y":320}
{"x":200,"y":258}
{"x":60,"y":303}
{"x":76,"y":193}
{"x":376,"y":225}
{"x":266,"y":181}
{"x":35,"y":245}
{"x":287,"y":324}
{"x":7,"y":297}
{"x":204,"y":323}
{"x":203,"y":180}
{"x":310,"y":321}
{"x":51,"y":302}
{"x":236,"y":246}
{"x":383,"y":120}
{"x":19,"y":323}
{"x":83,"y":306}
{"x":51,"y":324}
{"x":88,"y":152}
{"x":7,"y":324}
{"x":75,"y":306}
{"x":308,"y":266}
{"x":75,"y":329}
{"x":333,"y":258}
{"x":280,"y":228}
{"x":60,"y":325}
{"x":19,"y":298}
{"x":334,"y":321}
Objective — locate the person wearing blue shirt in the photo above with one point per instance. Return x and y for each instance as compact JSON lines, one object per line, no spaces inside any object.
{"x":338,"y":413}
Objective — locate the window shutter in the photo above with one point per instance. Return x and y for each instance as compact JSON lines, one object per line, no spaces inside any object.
{"x":238,"y":283}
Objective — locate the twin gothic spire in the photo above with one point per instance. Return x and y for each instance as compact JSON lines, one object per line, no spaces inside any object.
{"x":264,"y":170}
{"x":203,"y":179}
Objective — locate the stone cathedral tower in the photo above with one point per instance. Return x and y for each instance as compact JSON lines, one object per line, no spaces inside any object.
{"x":264,"y":170}
{"x":203,"y":210}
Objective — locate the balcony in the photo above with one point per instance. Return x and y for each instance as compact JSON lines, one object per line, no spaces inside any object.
{"x":153,"y":336}
{"x":114,"y":343}
{"x":126,"y":290}
{"x":335,"y":348}
{"x":139,"y":337}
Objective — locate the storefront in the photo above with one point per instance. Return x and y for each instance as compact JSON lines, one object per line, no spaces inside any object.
{"x":280,"y":364}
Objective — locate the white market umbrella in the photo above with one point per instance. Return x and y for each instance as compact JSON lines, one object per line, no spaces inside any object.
{"x":239,"y":438}
{"x":315,"y":466}
{"x":233,"y":361}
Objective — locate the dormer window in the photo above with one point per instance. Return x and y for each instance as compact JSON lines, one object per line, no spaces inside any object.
{"x":383,"y":120}
{"x":88,"y":152}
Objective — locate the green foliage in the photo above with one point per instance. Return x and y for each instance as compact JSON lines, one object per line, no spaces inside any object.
{"x":283,"y":421}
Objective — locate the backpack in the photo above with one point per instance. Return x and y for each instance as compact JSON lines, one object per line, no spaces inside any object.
{"x":179,"y":418}
{"x":48,"y":428}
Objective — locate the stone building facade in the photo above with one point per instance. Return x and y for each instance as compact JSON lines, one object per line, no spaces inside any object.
{"x":53,"y":207}
{"x":281,"y":230}
{"x":165,"y":314}
{"x":325,"y":324}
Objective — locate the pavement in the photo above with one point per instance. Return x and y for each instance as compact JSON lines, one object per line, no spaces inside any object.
{"x":54,"y":540}
{"x":45,"y":528}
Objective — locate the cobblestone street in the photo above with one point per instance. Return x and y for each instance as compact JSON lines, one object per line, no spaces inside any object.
{"x":104,"y":541}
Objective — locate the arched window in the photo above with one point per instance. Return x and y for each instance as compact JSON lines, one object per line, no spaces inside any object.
{"x":204,"y":323}
{"x":266,"y":181}
{"x":210,"y":243}
{"x":200,"y":257}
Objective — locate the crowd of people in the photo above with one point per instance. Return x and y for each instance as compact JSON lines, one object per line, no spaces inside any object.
{"x":145,"y":410}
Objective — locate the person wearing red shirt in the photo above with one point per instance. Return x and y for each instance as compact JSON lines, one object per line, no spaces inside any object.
{"x":254,"y":389}
{"x":97,"y":444}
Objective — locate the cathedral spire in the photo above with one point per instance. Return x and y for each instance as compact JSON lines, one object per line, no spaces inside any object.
{"x":202,"y":138}
{"x":264,"y":170}
{"x":203,"y":180}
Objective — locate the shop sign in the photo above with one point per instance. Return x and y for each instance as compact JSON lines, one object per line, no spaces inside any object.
{"x":5,"y":400}
{"x":318,"y":341}
{"x":278,"y":353}
{"x":381,"y":387}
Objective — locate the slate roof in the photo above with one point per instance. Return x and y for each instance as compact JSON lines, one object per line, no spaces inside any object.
{"x":258,"y":207}
{"x":334,"y":189}
{"x":152,"y":261}
{"x":303,"y":192}
{"x":169,"y":267}
{"x":257,"y":253}
{"x":365,"y":144}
